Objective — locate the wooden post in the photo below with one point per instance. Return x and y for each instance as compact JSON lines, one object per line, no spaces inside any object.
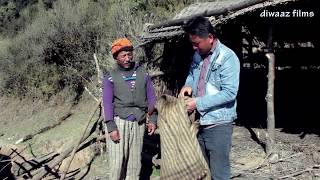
{"x":100,"y":126}
{"x":270,"y":95}
{"x":82,"y":138}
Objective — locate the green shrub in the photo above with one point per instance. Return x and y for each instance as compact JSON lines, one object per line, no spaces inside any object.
{"x":56,"y":50}
{"x":53,"y":46}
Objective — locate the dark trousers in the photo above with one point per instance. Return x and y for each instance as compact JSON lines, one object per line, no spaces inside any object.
{"x":215,"y":143}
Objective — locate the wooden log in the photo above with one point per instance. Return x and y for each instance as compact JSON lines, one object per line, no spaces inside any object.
{"x":30,"y":136}
{"x":270,"y":96}
{"x":100,"y":77}
{"x":26,"y":168}
{"x":20,"y":168}
{"x":80,"y":140}
{"x":40,"y":173}
{"x":237,"y":6}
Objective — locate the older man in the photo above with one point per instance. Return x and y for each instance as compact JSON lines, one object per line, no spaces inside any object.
{"x":128,"y":95}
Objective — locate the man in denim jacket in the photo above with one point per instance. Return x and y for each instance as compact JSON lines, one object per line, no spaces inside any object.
{"x":213,"y":82}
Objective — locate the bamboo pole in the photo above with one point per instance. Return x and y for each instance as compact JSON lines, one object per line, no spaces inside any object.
{"x":270,"y":95}
{"x":100,"y":77}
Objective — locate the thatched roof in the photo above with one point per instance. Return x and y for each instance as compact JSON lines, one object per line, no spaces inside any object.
{"x":218,"y":12}
{"x":216,"y":7}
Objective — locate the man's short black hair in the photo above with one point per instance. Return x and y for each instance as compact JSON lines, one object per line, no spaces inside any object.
{"x":199,"y":26}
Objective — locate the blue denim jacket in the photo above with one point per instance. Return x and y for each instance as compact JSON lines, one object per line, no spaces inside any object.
{"x":218,"y":105}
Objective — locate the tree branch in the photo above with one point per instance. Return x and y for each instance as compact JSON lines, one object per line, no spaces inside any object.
{"x":300,"y":172}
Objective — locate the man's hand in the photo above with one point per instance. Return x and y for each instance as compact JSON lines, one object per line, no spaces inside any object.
{"x":151,"y":128}
{"x":185,"y":91}
{"x":115,"y":136}
{"x":191,"y":104}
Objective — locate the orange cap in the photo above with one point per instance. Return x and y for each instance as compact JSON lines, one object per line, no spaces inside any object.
{"x":119,"y":44}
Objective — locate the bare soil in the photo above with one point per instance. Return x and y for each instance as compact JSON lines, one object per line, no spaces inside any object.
{"x":295,"y":157}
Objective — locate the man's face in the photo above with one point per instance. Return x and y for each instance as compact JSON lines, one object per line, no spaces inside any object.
{"x":202,"y":45}
{"x":125,"y":59}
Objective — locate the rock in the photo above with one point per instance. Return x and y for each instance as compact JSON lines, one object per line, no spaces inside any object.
{"x":316,"y":157}
{"x":273,"y":158}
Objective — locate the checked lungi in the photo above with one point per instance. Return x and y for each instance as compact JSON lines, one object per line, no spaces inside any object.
{"x":124,"y":157}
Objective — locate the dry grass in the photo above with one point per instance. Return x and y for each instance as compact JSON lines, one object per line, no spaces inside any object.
{"x":22,"y":117}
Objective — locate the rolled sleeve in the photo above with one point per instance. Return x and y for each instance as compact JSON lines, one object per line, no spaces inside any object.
{"x":111,"y":126}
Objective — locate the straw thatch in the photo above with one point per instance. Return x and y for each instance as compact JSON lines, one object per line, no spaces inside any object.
{"x":218,"y":12}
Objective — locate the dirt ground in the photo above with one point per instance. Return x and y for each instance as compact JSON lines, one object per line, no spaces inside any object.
{"x":295,"y":157}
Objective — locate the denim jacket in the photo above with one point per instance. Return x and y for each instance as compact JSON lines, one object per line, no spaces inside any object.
{"x":218,"y":105}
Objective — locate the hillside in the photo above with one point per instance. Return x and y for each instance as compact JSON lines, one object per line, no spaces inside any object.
{"x":49,"y":52}
{"x":23,"y":117}
{"x":299,"y":157}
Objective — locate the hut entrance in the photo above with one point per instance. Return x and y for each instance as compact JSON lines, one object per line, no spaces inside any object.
{"x":297,"y":68}
{"x":296,"y":47}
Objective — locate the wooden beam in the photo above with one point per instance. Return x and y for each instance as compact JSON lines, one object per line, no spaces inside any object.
{"x":270,"y":95}
{"x":235,"y":7}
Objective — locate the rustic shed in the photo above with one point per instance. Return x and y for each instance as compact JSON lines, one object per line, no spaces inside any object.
{"x":287,"y":28}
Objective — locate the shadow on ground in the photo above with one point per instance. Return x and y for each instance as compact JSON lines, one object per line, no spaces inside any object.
{"x":151,"y":149}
